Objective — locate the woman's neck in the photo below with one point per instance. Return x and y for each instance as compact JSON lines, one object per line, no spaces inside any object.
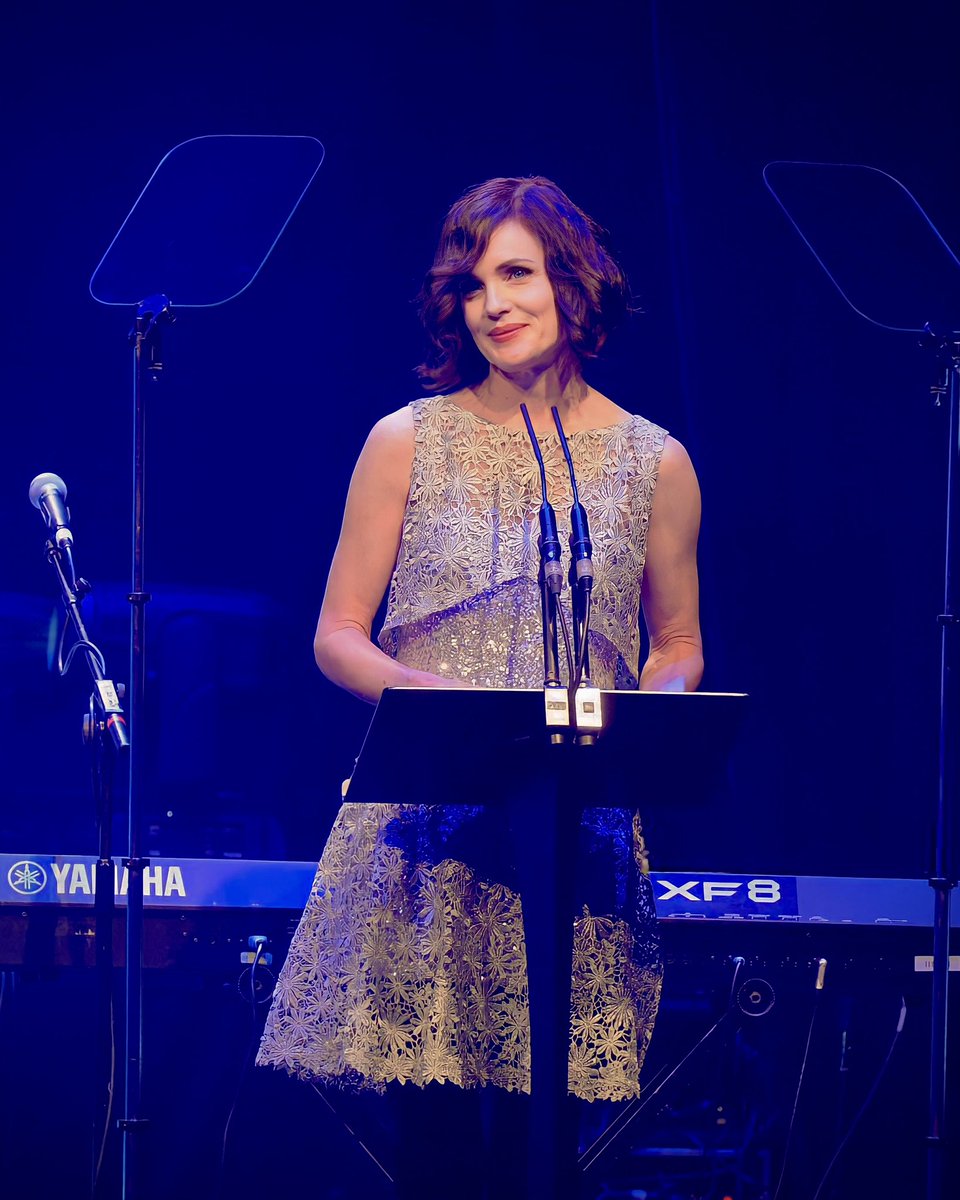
{"x":499,"y":396}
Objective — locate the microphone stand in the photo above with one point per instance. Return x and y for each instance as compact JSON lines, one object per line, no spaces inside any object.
{"x":942,"y":875}
{"x":545,"y":822}
{"x":145,"y":337}
{"x":105,"y":732}
{"x":902,"y":226}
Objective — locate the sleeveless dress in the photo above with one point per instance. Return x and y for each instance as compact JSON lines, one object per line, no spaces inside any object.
{"x":409,"y":961}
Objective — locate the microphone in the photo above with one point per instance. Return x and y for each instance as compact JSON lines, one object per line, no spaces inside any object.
{"x":48,"y":493}
{"x":550,"y":548}
{"x":556,"y":699}
{"x":581,"y":548}
{"x":586,"y":697}
{"x":550,"y":540}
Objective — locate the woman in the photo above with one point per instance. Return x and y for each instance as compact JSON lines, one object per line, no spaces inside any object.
{"x":409,"y":962}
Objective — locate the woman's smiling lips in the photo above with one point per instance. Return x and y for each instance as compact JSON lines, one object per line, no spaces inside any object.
{"x":503,"y":333}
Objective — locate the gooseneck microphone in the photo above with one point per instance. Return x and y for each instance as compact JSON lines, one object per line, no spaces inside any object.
{"x":549,"y":540}
{"x":48,"y":493}
{"x":581,"y":548}
{"x":556,"y":700}
{"x":585,"y":701}
{"x":581,"y":566}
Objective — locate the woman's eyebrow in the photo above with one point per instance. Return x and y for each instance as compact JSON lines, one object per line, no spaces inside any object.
{"x":511,"y":262}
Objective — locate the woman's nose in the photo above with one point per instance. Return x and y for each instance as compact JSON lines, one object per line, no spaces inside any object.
{"x":495,"y":300}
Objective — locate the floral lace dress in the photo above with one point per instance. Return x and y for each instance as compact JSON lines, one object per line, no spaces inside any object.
{"x":409,"y":961}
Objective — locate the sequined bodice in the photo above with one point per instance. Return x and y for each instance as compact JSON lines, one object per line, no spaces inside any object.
{"x":464,"y":599}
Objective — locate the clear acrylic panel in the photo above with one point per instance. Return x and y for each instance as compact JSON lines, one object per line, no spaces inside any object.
{"x":207,"y":220}
{"x":878,"y":246}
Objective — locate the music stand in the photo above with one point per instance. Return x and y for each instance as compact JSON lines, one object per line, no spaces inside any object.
{"x":489,"y":745}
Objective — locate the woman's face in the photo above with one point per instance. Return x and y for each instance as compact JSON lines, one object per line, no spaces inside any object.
{"x":509,"y":307}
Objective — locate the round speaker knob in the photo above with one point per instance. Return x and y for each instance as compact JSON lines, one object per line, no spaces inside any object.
{"x":262,"y":985}
{"x":756,"y":997}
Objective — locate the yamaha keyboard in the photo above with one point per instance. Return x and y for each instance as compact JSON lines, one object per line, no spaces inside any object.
{"x":69,"y":881}
{"x":203,"y":911}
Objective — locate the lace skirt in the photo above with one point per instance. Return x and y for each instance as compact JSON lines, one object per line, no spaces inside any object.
{"x":409,"y":962}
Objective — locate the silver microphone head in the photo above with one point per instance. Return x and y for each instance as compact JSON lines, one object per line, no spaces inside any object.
{"x":48,"y":494}
{"x":44,"y":483}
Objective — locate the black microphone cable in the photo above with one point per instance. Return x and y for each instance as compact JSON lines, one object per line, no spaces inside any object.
{"x":111,"y":1096}
{"x":635,"y":1107}
{"x":821,"y":971}
{"x":255,"y":1000}
{"x":871,"y":1094}
{"x":353,"y":1134}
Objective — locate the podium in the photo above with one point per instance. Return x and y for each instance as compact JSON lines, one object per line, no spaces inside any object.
{"x":490,"y":746}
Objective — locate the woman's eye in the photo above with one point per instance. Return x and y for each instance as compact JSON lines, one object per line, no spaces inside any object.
{"x":519,"y":272}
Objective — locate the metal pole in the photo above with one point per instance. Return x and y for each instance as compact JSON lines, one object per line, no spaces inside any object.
{"x":942,"y":878}
{"x":145,"y":336}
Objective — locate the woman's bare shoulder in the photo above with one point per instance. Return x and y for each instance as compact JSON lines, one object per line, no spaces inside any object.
{"x":677,"y":485}
{"x":387,"y":455}
{"x":675,"y":458}
{"x":395,"y":428}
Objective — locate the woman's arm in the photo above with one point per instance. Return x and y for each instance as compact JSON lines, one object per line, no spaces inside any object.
{"x":670,"y":595}
{"x":363,"y":563}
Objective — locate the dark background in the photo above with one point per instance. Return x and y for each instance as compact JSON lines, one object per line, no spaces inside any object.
{"x":820,"y":454}
{"x":818,"y":450}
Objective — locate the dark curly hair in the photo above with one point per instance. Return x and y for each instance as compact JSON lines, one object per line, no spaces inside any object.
{"x":589,"y":286}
